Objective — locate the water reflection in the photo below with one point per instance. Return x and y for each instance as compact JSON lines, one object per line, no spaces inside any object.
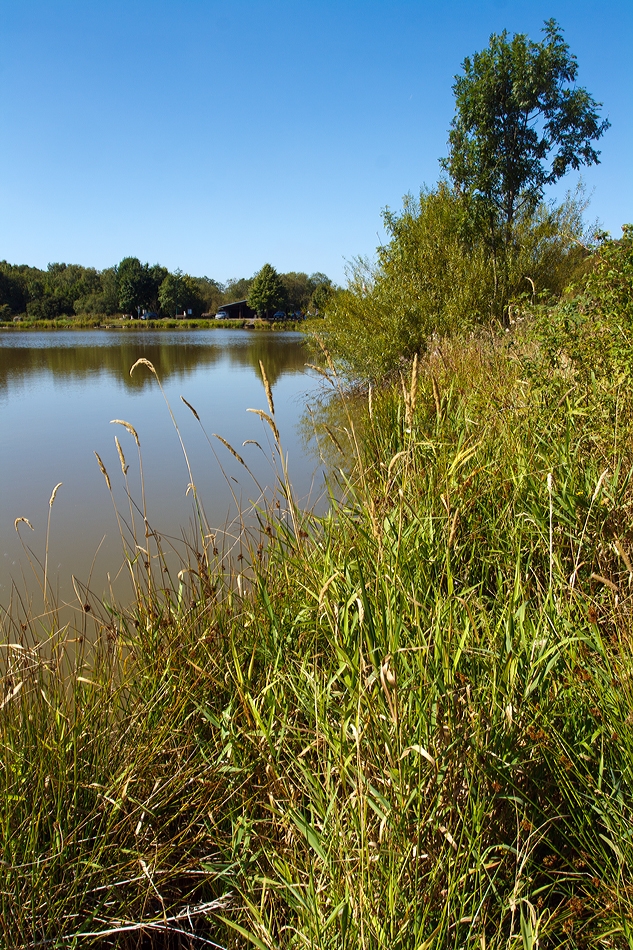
{"x":82,"y":355}
{"x":58,"y":393}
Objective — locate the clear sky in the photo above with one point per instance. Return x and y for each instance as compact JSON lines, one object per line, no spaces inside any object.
{"x":215,"y":136}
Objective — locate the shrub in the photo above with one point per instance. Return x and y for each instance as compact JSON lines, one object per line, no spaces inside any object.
{"x":436,"y":276}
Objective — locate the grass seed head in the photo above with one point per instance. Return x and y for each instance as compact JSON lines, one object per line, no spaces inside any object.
{"x":23,"y":520}
{"x":189,"y":406}
{"x":103,"y":471}
{"x":436,"y":396}
{"x":230,"y":448}
{"x":130,"y":428}
{"x":124,"y":466}
{"x":143,"y":362}
{"x":53,"y":493}
{"x":268,"y":390}
{"x":269,"y":420}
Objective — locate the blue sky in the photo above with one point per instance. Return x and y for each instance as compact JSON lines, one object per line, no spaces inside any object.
{"x":216,"y":136}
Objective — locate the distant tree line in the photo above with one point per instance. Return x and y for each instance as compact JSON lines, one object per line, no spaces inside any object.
{"x":131,"y":287}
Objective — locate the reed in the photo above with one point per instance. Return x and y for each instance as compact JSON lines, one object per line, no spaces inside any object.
{"x":404,"y":724}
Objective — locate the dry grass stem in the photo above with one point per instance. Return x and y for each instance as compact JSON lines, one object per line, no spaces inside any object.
{"x":321,"y":372}
{"x":436,"y":396}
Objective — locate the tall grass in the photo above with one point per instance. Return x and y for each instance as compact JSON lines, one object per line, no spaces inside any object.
{"x":405,"y":724}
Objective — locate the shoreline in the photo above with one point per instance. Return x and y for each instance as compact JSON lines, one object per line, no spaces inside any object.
{"x":165,"y":324}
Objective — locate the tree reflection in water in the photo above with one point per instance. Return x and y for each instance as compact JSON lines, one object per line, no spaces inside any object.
{"x":60,"y":389}
{"x":82,"y":354}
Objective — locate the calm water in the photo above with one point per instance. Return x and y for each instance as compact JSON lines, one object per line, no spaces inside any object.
{"x":58,"y":392}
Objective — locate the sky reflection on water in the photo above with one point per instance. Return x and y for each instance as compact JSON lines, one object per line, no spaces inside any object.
{"x":59,"y":392}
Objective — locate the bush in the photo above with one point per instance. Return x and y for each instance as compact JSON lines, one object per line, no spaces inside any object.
{"x":437,"y":275}
{"x":591,"y":331}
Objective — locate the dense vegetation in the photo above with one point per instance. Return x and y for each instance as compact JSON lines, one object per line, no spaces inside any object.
{"x":70,"y":290}
{"x":405,"y":724}
{"x":474,"y":246}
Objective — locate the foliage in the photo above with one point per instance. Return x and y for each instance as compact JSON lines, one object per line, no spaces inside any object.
{"x":179,"y":292}
{"x":237,"y":288}
{"x":12,"y":296}
{"x":521,"y":123}
{"x":138,"y":285}
{"x":465,"y":256}
{"x":590,"y":332}
{"x":209,"y":293}
{"x":55,"y":292}
{"x":267,"y":291}
{"x":102,"y":301}
{"x":610,"y":282}
{"x":133,"y":284}
{"x":67,"y":290}
{"x":435,"y":276}
{"x":322,"y":293}
{"x":306,"y":293}
{"x":421,"y":285}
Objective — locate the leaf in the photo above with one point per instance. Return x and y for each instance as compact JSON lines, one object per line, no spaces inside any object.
{"x":244,"y":933}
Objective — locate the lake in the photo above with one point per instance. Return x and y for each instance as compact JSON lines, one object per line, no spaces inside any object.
{"x":59,"y":391}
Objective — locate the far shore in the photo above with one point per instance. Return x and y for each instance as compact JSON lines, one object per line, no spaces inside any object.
{"x":162,"y":324}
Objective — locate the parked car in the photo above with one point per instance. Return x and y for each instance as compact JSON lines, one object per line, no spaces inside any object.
{"x":221,"y":315}
{"x":149,"y":316}
{"x":279,"y":315}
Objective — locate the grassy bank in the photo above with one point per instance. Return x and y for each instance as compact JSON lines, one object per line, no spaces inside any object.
{"x":117,"y":323}
{"x":404,"y":725}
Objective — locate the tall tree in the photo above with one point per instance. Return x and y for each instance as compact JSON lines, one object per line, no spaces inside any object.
{"x":267,"y":291}
{"x":172,"y":294}
{"x":179,"y":293}
{"x":237,"y":288}
{"x":520,"y":124}
{"x":134,"y":284}
{"x":13,"y":294}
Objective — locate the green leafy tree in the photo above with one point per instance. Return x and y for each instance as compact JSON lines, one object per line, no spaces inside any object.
{"x":139,"y":284}
{"x":305,"y":292}
{"x":179,"y":293}
{"x":135,"y":284}
{"x":434,"y":277}
{"x":299,"y":288}
{"x":12,"y":291}
{"x":105,"y":299}
{"x":267,"y":291}
{"x":520,"y":125}
{"x":155,"y":276}
{"x":172,"y":294}
{"x":237,"y":288}
{"x":321,"y":294}
{"x":431,"y":277}
{"x":211,"y":293}
{"x":54,"y":292}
